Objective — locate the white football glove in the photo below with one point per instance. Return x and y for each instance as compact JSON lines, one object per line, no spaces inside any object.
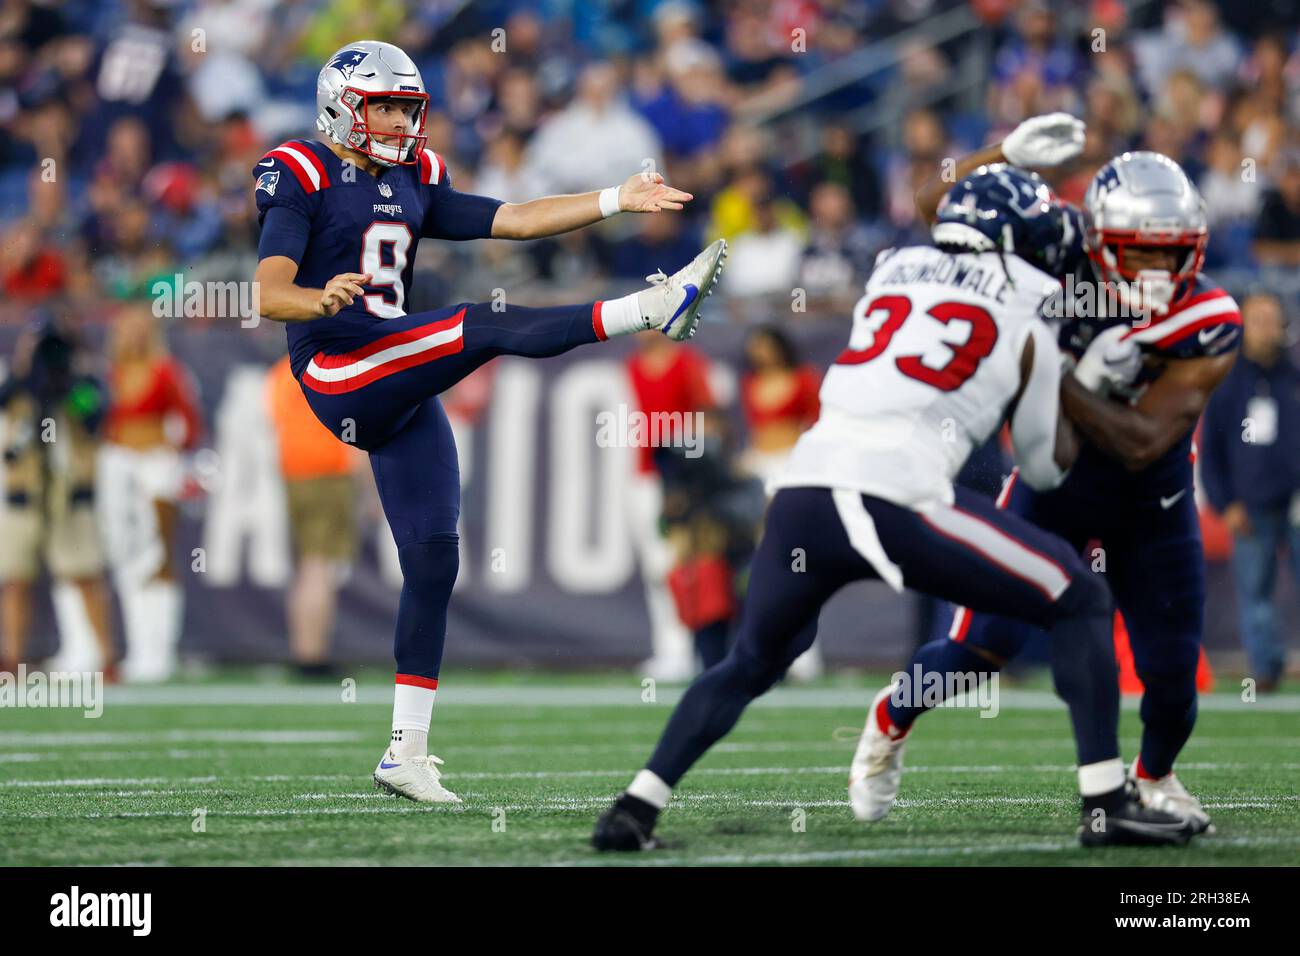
{"x":1111,"y":363}
{"x":1047,"y":140}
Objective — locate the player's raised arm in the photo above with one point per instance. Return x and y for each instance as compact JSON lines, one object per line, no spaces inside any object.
{"x":1037,"y":143}
{"x":552,"y":215}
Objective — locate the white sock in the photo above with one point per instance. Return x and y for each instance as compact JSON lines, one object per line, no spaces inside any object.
{"x":649,"y":787}
{"x":1101,"y":777}
{"x":624,"y":316}
{"x":412,"y":713}
{"x":409,"y":743}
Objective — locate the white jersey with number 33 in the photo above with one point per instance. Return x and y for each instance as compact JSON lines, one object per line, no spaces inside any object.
{"x":933,"y":361}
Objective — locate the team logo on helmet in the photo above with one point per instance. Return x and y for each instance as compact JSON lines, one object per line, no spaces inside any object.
{"x":347,"y":61}
{"x":1000,"y":207}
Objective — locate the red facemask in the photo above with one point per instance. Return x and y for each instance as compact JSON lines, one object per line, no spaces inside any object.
{"x":405,"y":151}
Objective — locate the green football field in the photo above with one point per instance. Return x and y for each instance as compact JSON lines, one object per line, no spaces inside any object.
{"x":264,"y":772}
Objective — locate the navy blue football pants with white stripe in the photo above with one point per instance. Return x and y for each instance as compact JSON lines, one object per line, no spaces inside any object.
{"x":1149,"y":541}
{"x":380,"y":391}
{"x":814,"y":543}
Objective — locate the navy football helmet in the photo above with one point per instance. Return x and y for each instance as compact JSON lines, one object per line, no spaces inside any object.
{"x":1001,"y":208}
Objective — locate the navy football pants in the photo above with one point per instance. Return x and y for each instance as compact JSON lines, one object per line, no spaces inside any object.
{"x":379,"y":392}
{"x":814,"y":543}
{"x":1149,"y":543}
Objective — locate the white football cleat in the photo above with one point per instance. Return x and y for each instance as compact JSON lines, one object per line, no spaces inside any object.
{"x":877,"y":767}
{"x":672,"y":304}
{"x":416,"y":778}
{"x":1168,"y":794}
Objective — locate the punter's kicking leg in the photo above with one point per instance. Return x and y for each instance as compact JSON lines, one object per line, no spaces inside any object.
{"x":816,"y":541}
{"x":365,"y":387}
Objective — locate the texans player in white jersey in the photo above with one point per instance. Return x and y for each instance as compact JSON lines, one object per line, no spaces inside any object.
{"x":946,"y":344}
{"x":1131,"y":489}
{"x":340,"y":222}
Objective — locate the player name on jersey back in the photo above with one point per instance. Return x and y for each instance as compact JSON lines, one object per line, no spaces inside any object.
{"x":932,"y":363}
{"x":965,"y":273}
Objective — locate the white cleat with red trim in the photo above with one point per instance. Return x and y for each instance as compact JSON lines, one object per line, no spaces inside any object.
{"x":1167,"y":793}
{"x":877,"y":767}
{"x":416,"y":778}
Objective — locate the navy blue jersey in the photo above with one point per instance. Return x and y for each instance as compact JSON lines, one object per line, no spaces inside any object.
{"x":330,"y":218}
{"x":1205,"y":323}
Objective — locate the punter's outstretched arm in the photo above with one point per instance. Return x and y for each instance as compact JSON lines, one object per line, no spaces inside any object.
{"x":1037,"y":143}
{"x":552,"y":215}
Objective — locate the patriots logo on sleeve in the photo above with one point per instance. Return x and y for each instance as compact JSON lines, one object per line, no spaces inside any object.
{"x":347,"y":61}
{"x":268,"y":181}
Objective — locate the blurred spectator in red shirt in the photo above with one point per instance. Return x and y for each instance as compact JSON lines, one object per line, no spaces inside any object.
{"x":30,"y":270}
{"x":779,"y":394}
{"x":667,"y":379}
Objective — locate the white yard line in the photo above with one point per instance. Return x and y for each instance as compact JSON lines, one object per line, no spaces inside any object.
{"x":110,"y":782}
{"x":667,"y":858}
{"x":638,"y":747}
{"x":450,"y":694}
{"x":74,"y":738}
{"x":879,"y":853}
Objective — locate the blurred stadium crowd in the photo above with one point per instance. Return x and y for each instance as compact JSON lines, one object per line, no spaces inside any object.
{"x":128,"y":129}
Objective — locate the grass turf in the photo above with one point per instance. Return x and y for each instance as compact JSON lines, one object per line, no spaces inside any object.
{"x":227,"y":773}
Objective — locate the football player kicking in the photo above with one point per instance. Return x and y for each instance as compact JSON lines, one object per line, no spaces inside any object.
{"x":340,"y":222}
{"x":1131,"y":488}
{"x":946,"y":344}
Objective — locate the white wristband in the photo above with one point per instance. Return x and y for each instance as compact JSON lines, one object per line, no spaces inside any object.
{"x":609,"y":201}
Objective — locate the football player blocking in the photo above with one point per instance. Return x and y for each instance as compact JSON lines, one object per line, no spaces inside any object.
{"x":372,"y":373}
{"x":1132,"y":488}
{"x":868,"y":492}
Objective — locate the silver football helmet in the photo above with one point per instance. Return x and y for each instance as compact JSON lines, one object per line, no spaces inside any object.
{"x":358,"y":73}
{"x":1144,"y":199}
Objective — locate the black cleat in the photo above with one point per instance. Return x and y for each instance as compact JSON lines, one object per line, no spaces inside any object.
{"x":626,"y":827}
{"x":1123,"y":821}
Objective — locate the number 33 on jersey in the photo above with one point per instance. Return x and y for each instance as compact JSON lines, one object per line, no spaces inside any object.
{"x":329,"y":216}
{"x":932,"y":363}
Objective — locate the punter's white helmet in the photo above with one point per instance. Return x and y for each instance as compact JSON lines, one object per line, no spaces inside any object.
{"x":355,"y":76}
